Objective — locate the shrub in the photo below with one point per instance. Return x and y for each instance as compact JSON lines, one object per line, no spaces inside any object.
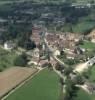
{"x":21,"y":60}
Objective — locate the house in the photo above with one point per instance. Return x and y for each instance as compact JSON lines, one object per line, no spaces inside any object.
{"x":70,"y":56}
{"x":34,"y":60}
{"x":73,"y":37}
{"x":3,"y":22}
{"x":90,"y":87}
{"x":92,"y":36}
{"x":9,"y":45}
{"x":36,"y":37}
{"x":43,"y":63}
{"x":35,"y":53}
{"x":79,"y":50}
{"x":57,"y":53}
{"x":40,"y":63}
{"x":59,"y":20}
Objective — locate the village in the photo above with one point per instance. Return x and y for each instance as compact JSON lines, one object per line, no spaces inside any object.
{"x":50,"y":46}
{"x":61,"y":43}
{"x":64,"y":53}
{"x":47,"y":50}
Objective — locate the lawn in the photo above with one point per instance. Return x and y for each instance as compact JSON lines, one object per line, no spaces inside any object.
{"x":92,"y":76}
{"x":44,"y":86}
{"x":82,"y":95}
{"x":88,"y":45}
{"x":6,"y":59}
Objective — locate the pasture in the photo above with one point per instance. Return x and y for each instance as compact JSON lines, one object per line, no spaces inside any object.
{"x":44,"y":86}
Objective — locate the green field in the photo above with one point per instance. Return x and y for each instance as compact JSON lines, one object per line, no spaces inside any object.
{"x":92,"y":76}
{"x":82,"y":95}
{"x":80,"y":26}
{"x":6,"y":59}
{"x":88,"y":45}
{"x":44,"y":86}
{"x":83,"y":26}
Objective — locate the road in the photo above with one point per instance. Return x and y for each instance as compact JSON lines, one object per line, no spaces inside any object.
{"x":84,"y":66}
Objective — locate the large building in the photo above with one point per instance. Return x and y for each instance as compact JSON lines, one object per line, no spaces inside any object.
{"x":36,"y":36}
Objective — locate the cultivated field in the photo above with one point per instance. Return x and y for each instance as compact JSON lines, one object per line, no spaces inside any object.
{"x":44,"y":86}
{"x":12,"y":77}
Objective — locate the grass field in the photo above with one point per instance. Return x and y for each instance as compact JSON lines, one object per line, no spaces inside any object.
{"x":6,"y":59}
{"x":44,"y":86}
{"x":92,"y":76}
{"x":82,"y":95}
{"x":88,"y":45}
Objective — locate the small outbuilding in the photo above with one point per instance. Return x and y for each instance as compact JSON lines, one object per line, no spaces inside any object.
{"x":9,"y":45}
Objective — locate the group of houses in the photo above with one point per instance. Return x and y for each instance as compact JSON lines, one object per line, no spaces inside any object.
{"x":39,"y":53}
{"x":67,"y":42}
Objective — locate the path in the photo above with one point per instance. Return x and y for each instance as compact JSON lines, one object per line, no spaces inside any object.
{"x":81,"y":67}
{"x":84,"y":66}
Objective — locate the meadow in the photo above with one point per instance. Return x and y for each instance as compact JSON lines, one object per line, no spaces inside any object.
{"x":44,"y":86}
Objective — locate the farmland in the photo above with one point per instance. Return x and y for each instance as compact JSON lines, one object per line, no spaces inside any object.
{"x":12,"y":77}
{"x":44,"y":86}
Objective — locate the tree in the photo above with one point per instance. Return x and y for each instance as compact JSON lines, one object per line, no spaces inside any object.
{"x":21,"y":60}
{"x":81,"y":42}
{"x":87,"y":74}
{"x":68,"y":70}
{"x":69,"y":89}
{"x":79,"y":79}
{"x":49,"y":65}
{"x":92,"y":2}
{"x":70,"y":61}
{"x":61,"y":81}
{"x":59,"y":67}
{"x":25,"y":42}
{"x":1,"y":70}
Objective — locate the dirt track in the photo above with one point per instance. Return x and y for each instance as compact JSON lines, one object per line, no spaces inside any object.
{"x":12,"y":77}
{"x":81,"y":67}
